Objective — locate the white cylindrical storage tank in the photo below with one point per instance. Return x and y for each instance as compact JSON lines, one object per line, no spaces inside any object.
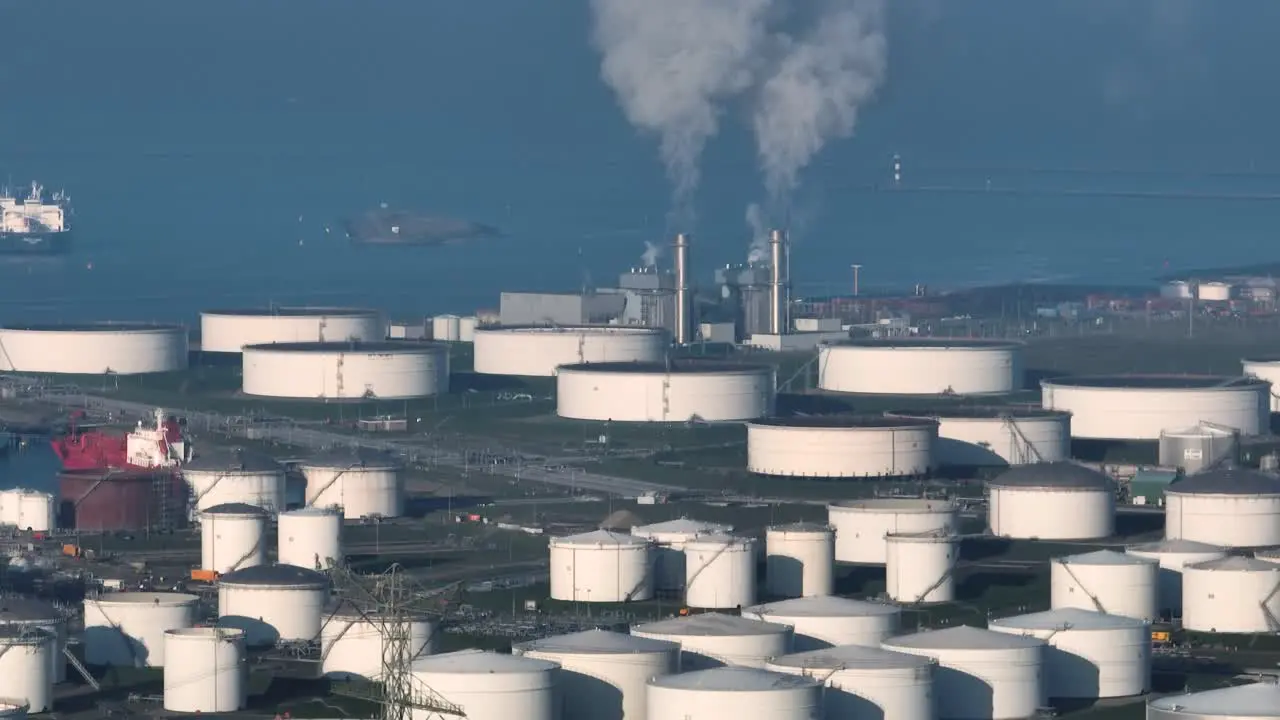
{"x":93,"y":349}
{"x":1106,"y":581}
{"x":399,"y":370}
{"x":1231,"y":595}
{"x":352,"y":641}
{"x":861,"y":525}
{"x":273,"y":603}
{"x":822,"y":622}
{"x":1090,"y":655}
{"x":1052,"y":501}
{"x":1256,"y":701}
{"x":800,"y":560}
{"x":1173,"y":556}
{"x":538,"y":351}
{"x":212,"y":677}
{"x":219,"y":476}
{"x":1268,"y":369}
{"x":840,"y":446}
{"x":668,"y":540}
{"x":720,"y":572}
{"x":9,"y":507}
{"x":714,"y":639}
{"x":489,"y":686}
{"x":601,"y":566}
{"x":361,"y":482}
{"x":744,"y":693}
{"x":866,"y":683}
{"x":467,"y":327}
{"x":1196,"y":448}
{"x":227,"y":331}
{"x":309,"y":538}
{"x":1139,"y":407}
{"x":36,"y":511}
{"x":923,"y":366}
{"x":997,"y":436}
{"x":1231,"y":507}
{"x":27,"y":613}
{"x":447,"y":328}
{"x":232,"y":537}
{"x":1177,"y":290}
{"x":127,"y":628}
{"x":919,"y":567}
{"x":1214,"y":292}
{"x":603,"y":675}
{"x":980,"y":674}
{"x":26,"y":666}
{"x":691,"y":390}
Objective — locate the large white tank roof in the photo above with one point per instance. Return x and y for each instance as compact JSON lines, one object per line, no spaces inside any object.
{"x":26,"y":610}
{"x":1069,"y":619}
{"x":844,"y":422}
{"x":846,"y":657}
{"x":1256,"y":700}
{"x":712,"y":625}
{"x":1175,"y":546}
{"x":275,"y":576}
{"x":978,"y":412}
{"x":353,"y":457}
{"x":596,"y":538}
{"x":930,"y":343}
{"x":682,"y":525}
{"x":1227,"y":481}
{"x":1236,"y":563}
{"x":598,"y":642}
{"x":1054,"y":475}
{"x":683,"y":367}
{"x":307,"y":311}
{"x":383,"y":347}
{"x":963,"y":637}
{"x":234,"y":509}
{"x":733,"y":679}
{"x":1104,"y":557}
{"x":1156,"y":382}
{"x":822,"y":606}
{"x":895,"y":505}
{"x":230,"y":460}
{"x":480,"y":663}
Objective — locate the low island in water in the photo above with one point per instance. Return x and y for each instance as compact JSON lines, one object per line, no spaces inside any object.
{"x":385,"y":226}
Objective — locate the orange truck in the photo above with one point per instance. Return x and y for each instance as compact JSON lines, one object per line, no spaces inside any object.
{"x":204,"y":575}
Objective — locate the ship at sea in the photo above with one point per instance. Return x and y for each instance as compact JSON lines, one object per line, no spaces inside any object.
{"x":385,"y":226}
{"x":31,"y":226}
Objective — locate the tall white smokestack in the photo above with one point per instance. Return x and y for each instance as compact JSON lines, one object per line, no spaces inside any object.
{"x":777,"y":283}
{"x":684,"y":304}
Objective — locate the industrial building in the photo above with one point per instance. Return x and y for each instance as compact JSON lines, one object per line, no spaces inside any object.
{"x":1106,"y":581}
{"x":866,"y":681}
{"x":549,"y":308}
{"x":1266,"y":368}
{"x":1231,"y":595}
{"x":980,"y":673}
{"x":839,"y":446}
{"x":271,"y":603}
{"x":1140,"y":407}
{"x":93,"y":348}
{"x":219,"y":476}
{"x":650,"y":298}
{"x":538,"y":351}
{"x":1174,"y":556}
{"x":686,"y":391}
{"x":720,"y":572}
{"x":972,"y":437}
{"x":602,"y":673}
{"x":489,"y":685}
{"x":1051,"y":501}
{"x":799,"y":560}
{"x":712,"y":639}
{"x":128,"y":628}
{"x":601,"y":566}
{"x":228,"y":331}
{"x":346,"y":370}
{"x":940,"y":366}
{"x":734,"y":692}
{"x":861,"y":525}
{"x":1254,"y":701}
{"x":668,"y":540}
{"x":1089,"y":655}
{"x":919,"y":566}
{"x":828,"y":621}
{"x":361,"y":482}
{"x":1229,"y":507}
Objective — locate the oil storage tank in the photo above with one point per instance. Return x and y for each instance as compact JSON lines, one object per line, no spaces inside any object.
{"x":799,"y":560}
{"x":532,"y":351}
{"x":218,"y":476}
{"x":353,"y":642}
{"x":840,"y":446}
{"x":489,"y":686}
{"x":861,"y":525}
{"x":866,"y":682}
{"x":996,"y":436}
{"x":713,"y":639}
{"x":919,"y":566}
{"x":1052,"y":501}
{"x":691,"y":390}
{"x":921,"y":366}
{"x":1254,"y":701}
{"x":601,"y":566}
{"x":93,"y":348}
{"x":21,"y":613}
{"x":309,"y":538}
{"x":1198,"y":447}
{"x":980,"y":673}
{"x":363,"y":483}
{"x":1173,"y":556}
{"x":232,"y":537}
{"x":827,"y":621}
{"x":212,"y":677}
{"x":28,"y":510}
{"x":603,"y":675}
{"x":734,"y":693}
{"x":720,"y":572}
{"x":1106,"y":581}
{"x":26,"y":666}
{"x":398,"y":370}
{"x":128,"y":628}
{"x":1140,"y":407}
{"x":1089,"y":655}
{"x":1230,"y":507}
{"x":1265,"y":368}
{"x":229,"y":331}
{"x":273,"y":603}
{"x":1231,"y":595}
{"x":668,"y":540}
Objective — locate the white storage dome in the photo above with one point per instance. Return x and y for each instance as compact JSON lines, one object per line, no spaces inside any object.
{"x":27,"y":613}
{"x":310,"y":538}
{"x":800,"y":560}
{"x":866,"y":682}
{"x":919,"y":566}
{"x":674,"y":392}
{"x":228,"y":331}
{"x":921,"y":366}
{"x":364,"y":483}
{"x":997,"y":436}
{"x":1106,"y":581}
{"x":734,"y":693}
{"x":212,"y":677}
{"x":220,"y":476}
{"x":386,"y":370}
{"x":1052,"y":501}
{"x":1089,"y":654}
{"x":273,"y":602}
{"x":604,"y":674}
{"x":531,"y":351}
{"x":713,"y":639}
{"x":232,"y":537}
{"x":1256,"y":701}
{"x":861,"y":525}
{"x":601,"y":566}
{"x":489,"y":686}
{"x":1231,"y":595}
{"x":353,"y":641}
{"x":840,"y":446}
{"x":1173,"y":556}
{"x":720,"y":572}
{"x":93,"y":349}
{"x":26,"y":666}
{"x":822,"y":622}
{"x":669,"y":539}
{"x":128,"y":628}
{"x":1230,"y":507}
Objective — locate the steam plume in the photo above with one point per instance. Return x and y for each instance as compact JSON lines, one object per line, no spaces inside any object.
{"x":652,"y":251}
{"x":759,"y":234}
{"x":671,"y":63}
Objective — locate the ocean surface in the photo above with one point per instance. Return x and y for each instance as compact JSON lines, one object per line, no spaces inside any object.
{"x":208,"y":146}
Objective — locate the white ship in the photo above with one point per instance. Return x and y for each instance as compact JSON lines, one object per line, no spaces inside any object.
{"x":31,"y":226}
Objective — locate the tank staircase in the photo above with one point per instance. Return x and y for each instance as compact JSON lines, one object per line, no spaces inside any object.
{"x":688,"y":583}
{"x":1092,"y":598}
{"x":802,"y":374}
{"x":1272,"y":621}
{"x":1025,"y":449}
{"x":323,"y":488}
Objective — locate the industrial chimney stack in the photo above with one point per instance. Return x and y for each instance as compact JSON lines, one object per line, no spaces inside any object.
{"x":684,"y":315}
{"x":778,"y":283}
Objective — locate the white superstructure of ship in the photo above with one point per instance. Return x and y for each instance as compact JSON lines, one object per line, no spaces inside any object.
{"x":32,"y":215}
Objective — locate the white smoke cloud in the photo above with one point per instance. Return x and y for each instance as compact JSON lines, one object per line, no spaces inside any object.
{"x":652,"y":251}
{"x":759,"y":250}
{"x":816,"y":89}
{"x":672,"y":63}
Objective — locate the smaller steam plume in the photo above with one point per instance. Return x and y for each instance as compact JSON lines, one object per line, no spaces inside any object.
{"x":759,"y":250}
{"x":652,"y":251}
